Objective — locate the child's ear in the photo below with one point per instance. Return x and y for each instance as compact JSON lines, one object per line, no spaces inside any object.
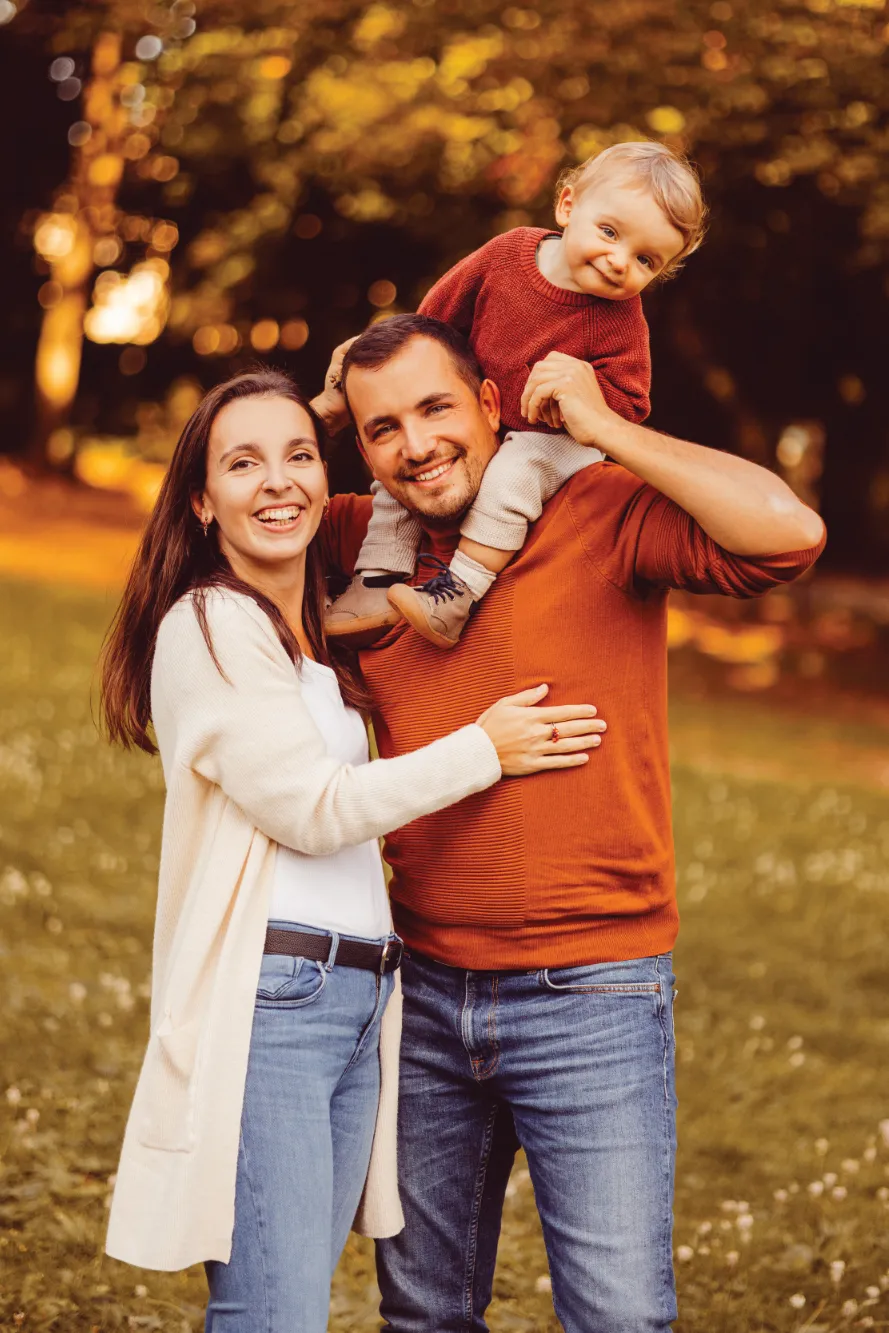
{"x":564,"y":205}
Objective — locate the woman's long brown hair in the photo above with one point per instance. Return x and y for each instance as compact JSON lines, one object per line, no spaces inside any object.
{"x":174,"y":557}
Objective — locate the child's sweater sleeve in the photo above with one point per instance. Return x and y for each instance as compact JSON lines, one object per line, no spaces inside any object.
{"x":452,"y":299}
{"x":620,"y":356}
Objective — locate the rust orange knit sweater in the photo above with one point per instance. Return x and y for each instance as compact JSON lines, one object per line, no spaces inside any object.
{"x":513,"y":316}
{"x":567,"y":867}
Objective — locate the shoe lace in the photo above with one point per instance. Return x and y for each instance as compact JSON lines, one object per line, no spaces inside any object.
{"x":442,"y":586}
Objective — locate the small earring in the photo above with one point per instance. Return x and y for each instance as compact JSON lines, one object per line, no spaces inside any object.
{"x":326,"y":506}
{"x":205,"y":523}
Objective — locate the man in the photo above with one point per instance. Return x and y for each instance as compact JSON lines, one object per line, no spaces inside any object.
{"x":539,"y":917}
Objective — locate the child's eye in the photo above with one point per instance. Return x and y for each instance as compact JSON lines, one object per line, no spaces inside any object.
{"x":643,"y":259}
{"x":609,"y":231}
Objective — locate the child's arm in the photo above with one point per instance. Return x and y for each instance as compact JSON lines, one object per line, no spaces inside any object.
{"x":620,"y":357}
{"x":452,"y":299}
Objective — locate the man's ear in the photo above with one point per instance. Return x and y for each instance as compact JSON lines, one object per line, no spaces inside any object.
{"x":489,"y":402}
{"x":564,"y":206}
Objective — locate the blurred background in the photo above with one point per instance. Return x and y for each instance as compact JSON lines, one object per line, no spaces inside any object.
{"x":189,"y":187}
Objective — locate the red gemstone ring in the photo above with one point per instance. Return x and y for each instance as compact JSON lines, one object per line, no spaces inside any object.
{"x":555,"y":736}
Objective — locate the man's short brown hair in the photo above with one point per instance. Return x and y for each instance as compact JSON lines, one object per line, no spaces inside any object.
{"x":379,"y":344}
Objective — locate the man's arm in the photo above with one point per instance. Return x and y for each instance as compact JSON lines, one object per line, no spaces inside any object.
{"x":744,"y":508}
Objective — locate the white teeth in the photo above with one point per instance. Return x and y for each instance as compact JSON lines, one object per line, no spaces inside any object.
{"x":436,"y":472}
{"x":278,"y":515}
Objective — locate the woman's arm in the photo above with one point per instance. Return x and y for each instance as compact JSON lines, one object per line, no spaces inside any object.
{"x":246,"y":729}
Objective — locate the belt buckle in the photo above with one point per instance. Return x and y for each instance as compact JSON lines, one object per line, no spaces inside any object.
{"x":392,"y":950}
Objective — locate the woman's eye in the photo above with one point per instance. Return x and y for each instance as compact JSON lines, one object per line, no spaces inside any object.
{"x":239,"y":464}
{"x":302,"y":457}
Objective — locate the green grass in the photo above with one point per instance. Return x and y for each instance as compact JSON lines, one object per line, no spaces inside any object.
{"x":782,"y":1015}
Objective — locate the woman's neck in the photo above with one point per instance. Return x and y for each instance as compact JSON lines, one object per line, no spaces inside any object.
{"x":285,"y":585}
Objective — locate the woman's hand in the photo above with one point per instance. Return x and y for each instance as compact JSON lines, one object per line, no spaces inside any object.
{"x":331,"y":402}
{"x":533,"y":739}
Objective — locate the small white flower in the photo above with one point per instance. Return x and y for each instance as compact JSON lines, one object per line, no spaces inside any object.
{"x":77,"y":992}
{"x":849,"y":1308}
{"x":704,"y":1228}
{"x":816,"y":1188}
{"x":32,"y":1115}
{"x":830,"y":1178}
{"x":798,"y":1300}
{"x":703,"y":1249}
{"x":744,"y":1222}
{"x":822,"y":1145}
{"x":883,"y":1193}
{"x":757,"y":1022}
{"x":543,"y":1283}
{"x":870,"y":1153}
{"x":13,"y":1096}
{"x":883,"y":1127}
{"x":837,"y":1269}
{"x":729,"y":1206}
{"x":780,"y":1196}
{"x":839,"y":1192}
{"x":794,"y":1043}
{"x":797,"y":1059}
{"x":684,"y":1253}
{"x":732,"y":1258}
{"x":873,"y":1293}
{"x":850,"y":1166}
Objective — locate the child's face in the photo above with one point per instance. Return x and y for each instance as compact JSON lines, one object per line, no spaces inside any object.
{"x":615,"y":238}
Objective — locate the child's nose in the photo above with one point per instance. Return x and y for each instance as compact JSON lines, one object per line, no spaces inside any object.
{"x":618,"y":261}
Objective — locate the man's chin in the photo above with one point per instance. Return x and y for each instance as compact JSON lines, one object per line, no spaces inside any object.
{"x":437,"y":509}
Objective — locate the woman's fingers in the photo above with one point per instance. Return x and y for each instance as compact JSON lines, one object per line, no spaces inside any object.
{"x":571,"y":744}
{"x":567,"y":712}
{"x":588,"y":726}
{"x":526,"y":698}
{"x":546,"y":761}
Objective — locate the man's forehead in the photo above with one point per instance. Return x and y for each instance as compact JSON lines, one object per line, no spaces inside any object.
{"x":420,"y":368}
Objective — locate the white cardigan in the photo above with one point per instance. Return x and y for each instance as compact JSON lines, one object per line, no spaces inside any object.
{"x":245,"y":768}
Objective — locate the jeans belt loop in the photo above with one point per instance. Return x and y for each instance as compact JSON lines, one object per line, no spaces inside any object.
{"x":331,"y":957}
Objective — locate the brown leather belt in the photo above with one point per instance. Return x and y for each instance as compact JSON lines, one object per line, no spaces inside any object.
{"x":350,"y":953}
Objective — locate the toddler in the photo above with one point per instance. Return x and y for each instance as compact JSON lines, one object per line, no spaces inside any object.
{"x":627,"y":216}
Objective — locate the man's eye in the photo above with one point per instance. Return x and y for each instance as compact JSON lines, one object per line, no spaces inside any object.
{"x":381,"y":431}
{"x":438,"y":407}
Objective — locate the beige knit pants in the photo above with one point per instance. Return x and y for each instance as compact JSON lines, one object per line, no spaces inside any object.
{"x":527,"y":470}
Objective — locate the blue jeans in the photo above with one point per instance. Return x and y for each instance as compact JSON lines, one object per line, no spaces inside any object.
{"x":310,"y":1105}
{"x":576,"y":1066}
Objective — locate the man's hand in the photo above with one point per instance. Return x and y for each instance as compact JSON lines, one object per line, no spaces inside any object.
{"x":331,"y":403}
{"x":563,"y":392}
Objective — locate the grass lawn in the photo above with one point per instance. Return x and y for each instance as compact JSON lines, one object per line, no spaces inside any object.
{"x":782,"y":828}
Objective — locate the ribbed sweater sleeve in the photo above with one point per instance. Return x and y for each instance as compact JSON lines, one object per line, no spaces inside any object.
{"x":621,"y":357}
{"x":639,"y":539}
{"x":246,"y":729}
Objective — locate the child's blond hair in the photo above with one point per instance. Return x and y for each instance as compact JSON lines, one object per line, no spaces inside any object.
{"x":671,"y":178}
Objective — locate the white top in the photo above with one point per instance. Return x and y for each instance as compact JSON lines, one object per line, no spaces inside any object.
{"x":344,"y":891}
{"x":246,"y":772}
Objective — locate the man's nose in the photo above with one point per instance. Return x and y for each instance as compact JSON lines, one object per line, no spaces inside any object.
{"x":417,"y":442}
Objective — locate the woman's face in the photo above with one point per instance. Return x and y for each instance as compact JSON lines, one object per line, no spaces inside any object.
{"x":266,"y":483}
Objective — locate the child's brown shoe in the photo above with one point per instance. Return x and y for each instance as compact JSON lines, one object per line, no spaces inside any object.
{"x":363,"y":612}
{"x":439,"y":609}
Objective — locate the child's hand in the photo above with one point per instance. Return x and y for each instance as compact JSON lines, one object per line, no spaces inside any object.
{"x":331,"y":403}
{"x":563,"y":391}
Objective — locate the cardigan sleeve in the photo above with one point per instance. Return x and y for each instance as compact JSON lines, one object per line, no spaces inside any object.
{"x":243,"y":725}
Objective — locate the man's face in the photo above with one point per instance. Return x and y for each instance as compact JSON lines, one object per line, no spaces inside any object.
{"x":427,"y":435}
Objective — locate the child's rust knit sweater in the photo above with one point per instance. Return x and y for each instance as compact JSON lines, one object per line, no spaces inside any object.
{"x":513,"y":316}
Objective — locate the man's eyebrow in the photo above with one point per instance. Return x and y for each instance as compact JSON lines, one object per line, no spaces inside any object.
{"x":384,"y":418}
{"x":248,"y":447}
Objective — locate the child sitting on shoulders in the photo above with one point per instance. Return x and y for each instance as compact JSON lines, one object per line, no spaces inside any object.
{"x":627,"y":216}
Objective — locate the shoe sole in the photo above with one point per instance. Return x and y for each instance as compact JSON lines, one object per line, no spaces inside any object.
{"x":414,"y":616}
{"x":362,"y":625}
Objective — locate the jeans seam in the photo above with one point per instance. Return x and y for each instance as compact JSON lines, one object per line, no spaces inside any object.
{"x":362,"y":1040}
{"x":259,"y":1229}
{"x":472,"y":1248}
{"x":668,"y":1276}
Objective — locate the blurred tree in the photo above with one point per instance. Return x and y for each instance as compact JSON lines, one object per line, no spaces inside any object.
{"x":267,"y":132}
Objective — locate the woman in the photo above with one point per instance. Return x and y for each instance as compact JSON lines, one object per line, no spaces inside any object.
{"x":258,"y":1118}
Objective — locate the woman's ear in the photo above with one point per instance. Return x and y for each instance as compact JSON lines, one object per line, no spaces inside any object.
{"x":199,"y":507}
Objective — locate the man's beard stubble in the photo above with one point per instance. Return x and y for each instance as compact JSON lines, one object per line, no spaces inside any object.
{"x":447,"y":511}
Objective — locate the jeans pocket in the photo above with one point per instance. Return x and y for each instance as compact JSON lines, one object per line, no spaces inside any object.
{"x":286,"y":982}
{"x":634,"y":977}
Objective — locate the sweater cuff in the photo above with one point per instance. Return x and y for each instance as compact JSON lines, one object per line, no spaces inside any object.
{"x":481,"y":757}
